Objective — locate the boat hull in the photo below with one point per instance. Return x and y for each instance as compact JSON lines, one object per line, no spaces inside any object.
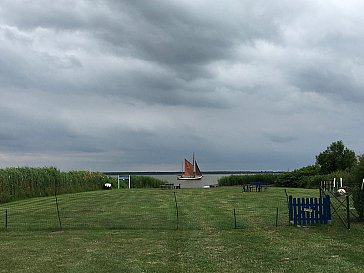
{"x":189,"y":177}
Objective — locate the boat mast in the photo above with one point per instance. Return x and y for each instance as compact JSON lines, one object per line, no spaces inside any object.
{"x":193,"y":163}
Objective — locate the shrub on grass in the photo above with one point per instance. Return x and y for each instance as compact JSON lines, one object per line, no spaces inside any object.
{"x":358,"y":202}
{"x":298,"y":178}
{"x":358,"y":191}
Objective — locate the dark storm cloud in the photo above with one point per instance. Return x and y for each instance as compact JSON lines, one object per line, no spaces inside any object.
{"x":133,"y":84}
{"x":174,"y":34}
{"x":177,"y":40}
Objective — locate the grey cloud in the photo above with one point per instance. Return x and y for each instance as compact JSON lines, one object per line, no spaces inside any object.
{"x":174,"y":36}
{"x":331,"y":83}
{"x":282,"y":139}
{"x":59,"y":14}
{"x":121,"y":84}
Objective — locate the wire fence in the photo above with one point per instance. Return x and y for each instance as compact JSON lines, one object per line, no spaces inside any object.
{"x":94,"y":210}
{"x":157,"y":209}
{"x":343,"y":211}
{"x":151,"y":209}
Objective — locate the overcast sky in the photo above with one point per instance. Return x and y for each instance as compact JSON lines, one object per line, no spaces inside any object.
{"x":139,"y":85}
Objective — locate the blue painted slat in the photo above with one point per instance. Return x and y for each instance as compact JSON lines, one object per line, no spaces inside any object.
{"x":307,"y":214}
{"x":303,"y":213}
{"x":299,"y":210}
{"x":290,"y":207}
{"x":320,"y":211}
{"x":294,"y":205}
{"x":312,"y":213}
{"x":316,"y":214}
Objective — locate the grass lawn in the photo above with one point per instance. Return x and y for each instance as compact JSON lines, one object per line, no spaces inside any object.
{"x":135,"y":231}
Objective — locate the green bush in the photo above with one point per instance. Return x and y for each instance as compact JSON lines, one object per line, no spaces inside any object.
{"x":306,"y":177}
{"x":358,"y":193}
{"x":358,"y":201}
{"x":300,"y":178}
{"x":311,"y":182}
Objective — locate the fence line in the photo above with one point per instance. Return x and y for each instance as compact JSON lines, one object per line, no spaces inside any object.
{"x":155,"y":210}
{"x":259,"y":217}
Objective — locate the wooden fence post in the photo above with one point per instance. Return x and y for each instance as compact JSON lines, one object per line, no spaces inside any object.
{"x":6,"y":219}
{"x":348,"y":211}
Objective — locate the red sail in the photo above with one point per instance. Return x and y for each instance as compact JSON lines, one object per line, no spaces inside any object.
{"x":190,"y":171}
{"x":188,"y":168}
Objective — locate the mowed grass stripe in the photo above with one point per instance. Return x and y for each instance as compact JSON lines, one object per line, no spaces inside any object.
{"x":153,"y":209}
{"x":134,"y":209}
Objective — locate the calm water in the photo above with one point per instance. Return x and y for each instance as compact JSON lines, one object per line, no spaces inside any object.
{"x":207,"y":180}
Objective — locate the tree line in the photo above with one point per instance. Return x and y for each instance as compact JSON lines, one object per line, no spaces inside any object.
{"x":334,"y":162}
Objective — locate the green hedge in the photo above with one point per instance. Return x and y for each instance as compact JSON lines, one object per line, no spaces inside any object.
{"x":306,"y":177}
{"x":358,"y":192}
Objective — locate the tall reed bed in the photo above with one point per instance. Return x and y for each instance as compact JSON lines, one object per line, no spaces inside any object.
{"x":23,"y":182}
{"x":138,"y":181}
{"x":242,"y":179}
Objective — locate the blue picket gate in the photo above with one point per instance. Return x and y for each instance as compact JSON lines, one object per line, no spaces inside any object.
{"x":309,"y":211}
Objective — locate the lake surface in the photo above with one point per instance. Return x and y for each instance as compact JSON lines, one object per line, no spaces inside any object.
{"x":207,"y":180}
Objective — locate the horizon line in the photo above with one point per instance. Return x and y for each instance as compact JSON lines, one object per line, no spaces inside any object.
{"x":178,"y":172}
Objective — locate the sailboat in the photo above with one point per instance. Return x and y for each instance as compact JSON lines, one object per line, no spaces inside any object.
{"x":190,"y":171}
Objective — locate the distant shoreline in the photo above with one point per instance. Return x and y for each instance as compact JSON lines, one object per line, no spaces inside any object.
{"x":178,"y":172}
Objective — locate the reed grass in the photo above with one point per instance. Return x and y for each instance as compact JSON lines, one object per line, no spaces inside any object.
{"x":24,"y":182}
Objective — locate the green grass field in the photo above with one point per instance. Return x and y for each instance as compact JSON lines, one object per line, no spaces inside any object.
{"x":136,"y":231}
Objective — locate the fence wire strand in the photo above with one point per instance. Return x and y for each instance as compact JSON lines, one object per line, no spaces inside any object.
{"x":151,"y":209}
